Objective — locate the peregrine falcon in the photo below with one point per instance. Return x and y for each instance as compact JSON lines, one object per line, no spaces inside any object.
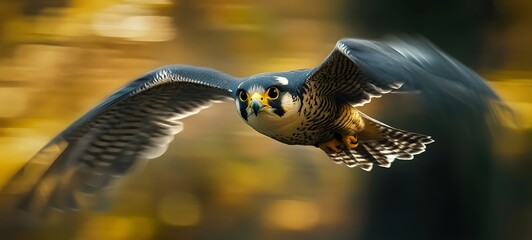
{"x":315,"y":107}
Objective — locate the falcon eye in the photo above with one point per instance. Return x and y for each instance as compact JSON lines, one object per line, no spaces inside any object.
{"x":243,"y":96}
{"x":273,"y":93}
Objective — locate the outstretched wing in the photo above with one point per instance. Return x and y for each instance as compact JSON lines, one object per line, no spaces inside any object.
{"x":358,"y":70}
{"x":137,"y":122}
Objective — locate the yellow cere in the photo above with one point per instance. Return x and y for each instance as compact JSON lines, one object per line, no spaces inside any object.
{"x":262,"y":99}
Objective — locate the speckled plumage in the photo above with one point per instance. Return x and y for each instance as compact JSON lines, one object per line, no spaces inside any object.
{"x":304,"y":107}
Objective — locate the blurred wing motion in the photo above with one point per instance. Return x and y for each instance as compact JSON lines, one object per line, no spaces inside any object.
{"x":417,"y":65}
{"x":135,"y":123}
{"x":358,"y":70}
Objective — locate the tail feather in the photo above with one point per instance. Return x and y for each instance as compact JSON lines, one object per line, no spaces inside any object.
{"x":381,"y":144}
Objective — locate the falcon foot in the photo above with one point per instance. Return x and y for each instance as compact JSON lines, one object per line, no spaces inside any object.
{"x":350,"y":141}
{"x":332,"y":146}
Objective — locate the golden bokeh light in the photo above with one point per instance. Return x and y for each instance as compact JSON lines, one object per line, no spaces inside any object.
{"x":180,"y":209}
{"x":100,"y":226}
{"x":292,"y":215}
{"x":134,"y":23}
{"x":13,"y":101}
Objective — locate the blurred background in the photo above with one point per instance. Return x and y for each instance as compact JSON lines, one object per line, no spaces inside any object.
{"x":220,"y":179}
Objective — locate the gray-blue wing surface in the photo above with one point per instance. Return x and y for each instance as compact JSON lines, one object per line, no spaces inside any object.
{"x":358,"y":70}
{"x":135,"y":123}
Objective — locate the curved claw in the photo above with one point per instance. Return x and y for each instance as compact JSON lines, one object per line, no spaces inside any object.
{"x":332,"y":146}
{"x":350,"y":141}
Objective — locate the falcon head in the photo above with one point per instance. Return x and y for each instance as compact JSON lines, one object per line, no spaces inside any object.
{"x":267,"y":99}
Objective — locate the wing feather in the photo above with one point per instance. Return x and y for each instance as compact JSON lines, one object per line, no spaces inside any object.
{"x":358,"y":70}
{"x":137,"y":122}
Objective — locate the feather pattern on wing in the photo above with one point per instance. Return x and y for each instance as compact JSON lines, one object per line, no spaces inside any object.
{"x":358,"y":70}
{"x":135,"y":123}
{"x":341,"y":78}
{"x":418,"y":65}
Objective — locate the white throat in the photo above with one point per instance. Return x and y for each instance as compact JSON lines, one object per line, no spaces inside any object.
{"x":269,"y":123}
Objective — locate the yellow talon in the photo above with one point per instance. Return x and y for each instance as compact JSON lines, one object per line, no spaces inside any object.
{"x":350,"y":141}
{"x":332,"y":146}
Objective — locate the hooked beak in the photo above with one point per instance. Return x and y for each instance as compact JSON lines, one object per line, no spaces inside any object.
{"x":256,"y":106}
{"x":257,"y":103}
